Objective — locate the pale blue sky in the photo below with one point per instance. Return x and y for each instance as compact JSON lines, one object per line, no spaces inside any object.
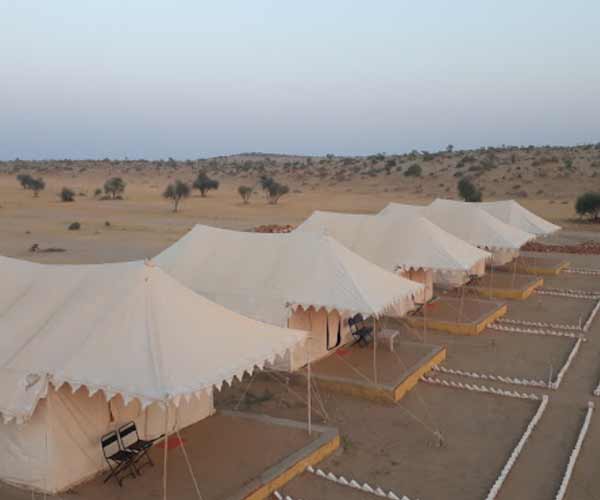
{"x":190,"y":79}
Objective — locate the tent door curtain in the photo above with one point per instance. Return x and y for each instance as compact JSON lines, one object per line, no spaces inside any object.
{"x":338,"y":337}
{"x":423,"y":276}
{"x":329,"y":331}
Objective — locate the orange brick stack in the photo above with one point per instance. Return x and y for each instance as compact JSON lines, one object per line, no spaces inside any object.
{"x":274,"y":228}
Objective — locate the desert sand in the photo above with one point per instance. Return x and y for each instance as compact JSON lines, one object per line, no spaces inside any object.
{"x":143,"y":223}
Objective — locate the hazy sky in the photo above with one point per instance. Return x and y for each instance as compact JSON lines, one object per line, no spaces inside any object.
{"x":190,"y":79}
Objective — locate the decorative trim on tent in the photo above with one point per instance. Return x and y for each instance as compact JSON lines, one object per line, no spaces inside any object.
{"x":376,"y":312}
{"x":185,"y":393}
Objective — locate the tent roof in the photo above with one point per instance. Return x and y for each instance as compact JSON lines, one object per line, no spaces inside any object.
{"x":467,"y":222}
{"x":126,"y":328}
{"x":262,"y":274}
{"x":512,"y":213}
{"x":402,"y":242}
{"x":402,"y":209}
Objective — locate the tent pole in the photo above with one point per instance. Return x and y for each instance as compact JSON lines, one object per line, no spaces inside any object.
{"x":308,"y":388}
{"x":375,"y":350}
{"x":491,"y":276}
{"x":424,"y":323}
{"x":462,"y":303}
{"x":165,"y":455}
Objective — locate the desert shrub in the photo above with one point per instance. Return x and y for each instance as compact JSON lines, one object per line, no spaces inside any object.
{"x":97,"y":192}
{"x":468,"y":191}
{"x":414,"y":170}
{"x":29,"y":182}
{"x":176,"y":191}
{"x":114,"y":187}
{"x":74,"y":226}
{"x":273,"y":189}
{"x":204,"y":183}
{"x":25,"y":180}
{"x":245,"y":192}
{"x":588,"y":204}
{"x":37,"y":185}
{"x":67,"y":194}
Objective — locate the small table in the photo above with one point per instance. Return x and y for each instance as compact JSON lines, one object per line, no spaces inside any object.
{"x":387,"y":337}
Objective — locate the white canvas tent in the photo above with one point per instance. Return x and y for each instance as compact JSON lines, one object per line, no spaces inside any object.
{"x":471,"y":224}
{"x":300,"y":280}
{"x":514,"y":214}
{"x":411,"y":246}
{"x":84,"y":349}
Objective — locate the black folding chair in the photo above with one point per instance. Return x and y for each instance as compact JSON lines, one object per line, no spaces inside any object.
{"x":360,"y":331}
{"x":131,"y":442}
{"x":118,"y":459}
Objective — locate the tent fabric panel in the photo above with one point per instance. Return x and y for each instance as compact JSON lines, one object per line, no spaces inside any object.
{"x":316,"y":322}
{"x":59,"y":447}
{"x":424,"y":276}
{"x":23,"y":461}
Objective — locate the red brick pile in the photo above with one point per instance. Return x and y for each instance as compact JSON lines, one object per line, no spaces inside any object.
{"x":586,"y":248}
{"x":274,"y":228}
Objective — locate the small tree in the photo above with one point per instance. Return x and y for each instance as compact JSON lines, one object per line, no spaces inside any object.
{"x":204,"y":183}
{"x":177,"y":191}
{"x":67,"y":194}
{"x":25,"y":180}
{"x":28,"y":182}
{"x":37,"y":185}
{"x":115,"y":186}
{"x":588,"y":204}
{"x":468,"y":191}
{"x":245,"y":192}
{"x":97,"y":192}
{"x":273,"y":189}
{"x":414,"y":170}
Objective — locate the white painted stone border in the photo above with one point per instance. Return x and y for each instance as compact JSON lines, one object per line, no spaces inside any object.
{"x":480,"y":388}
{"x":533,"y":331}
{"x":591,"y":317}
{"x":575,"y":453}
{"x":576,"y":291}
{"x":567,"y":294}
{"x":541,"y":324}
{"x":493,"y":493}
{"x":280,"y":496}
{"x":582,"y":270}
{"x":492,"y":377}
{"x":597,"y":390}
{"x":559,"y":376}
{"x":352,"y":483}
{"x":554,"y":384}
